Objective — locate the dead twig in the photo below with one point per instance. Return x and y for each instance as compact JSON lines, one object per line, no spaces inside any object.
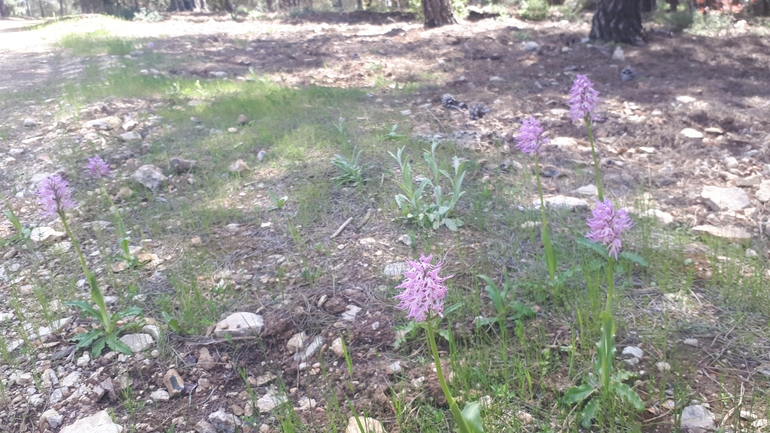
{"x":342,"y":227}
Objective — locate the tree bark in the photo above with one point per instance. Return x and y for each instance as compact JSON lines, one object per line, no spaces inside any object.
{"x":42,"y":11}
{"x":647,"y":5}
{"x":3,"y":13}
{"x":61,"y":8}
{"x":618,"y":21}
{"x":437,"y":13}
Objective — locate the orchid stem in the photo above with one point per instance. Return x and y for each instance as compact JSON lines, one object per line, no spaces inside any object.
{"x":462,"y":426}
{"x":610,"y":284}
{"x":593,"y":154}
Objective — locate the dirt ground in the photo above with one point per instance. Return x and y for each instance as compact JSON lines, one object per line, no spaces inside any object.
{"x":639,"y":134}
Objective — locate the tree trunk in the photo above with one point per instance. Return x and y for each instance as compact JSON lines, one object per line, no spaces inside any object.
{"x":61,"y":8}
{"x":42,"y":11}
{"x":2,"y":9}
{"x":647,"y":5}
{"x":438,"y":13}
{"x":270,"y":5}
{"x":618,"y":21}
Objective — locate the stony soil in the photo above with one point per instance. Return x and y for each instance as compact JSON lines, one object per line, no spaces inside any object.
{"x":696,"y":115}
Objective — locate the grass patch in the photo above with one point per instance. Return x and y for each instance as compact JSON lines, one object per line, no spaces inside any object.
{"x":96,"y":42}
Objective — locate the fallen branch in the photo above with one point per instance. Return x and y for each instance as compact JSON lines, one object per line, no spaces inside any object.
{"x":342,"y":227}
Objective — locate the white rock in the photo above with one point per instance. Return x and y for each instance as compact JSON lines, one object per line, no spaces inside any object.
{"x":312,"y":347}
{"x":524,"y":417}
{"x":218,"y":74}
{"x":730,"y":161}
{"x":370,"y":425}
{"x":71,"y":380}
{"x":663,"y":218}
{"x":105,"y":123}
{"x":224,"y":422}
{"x":350,"y":312}
{"x":691,"y":133}
{"x":306,"y":403}
{"x":727,"y":232}
{"x":618,"y":54}
{"x":62,"y":247}
{"x":45,"y":235}
{"x":204,"y":426}
{"x":29,"y":122}
{"x":684,"y":99}
{"x":83,"y":360}
{"x":160,"y":395}
{"x":52,"y":417}
{"x":732,"y":198}
{"x":395,"y":269}
{"x":563,"y":142}
{"x":137,"y":342}
{"x":633,"y":351}
{"x":239,"y":325}
{"x":691,"y":342}
{"x":750,"y":253}
{"x":663,"y":366}
{"x":337,"y":347}
{"x":563,"y":202}
{"x":763,"y":193}
{"x":238,"y":166}
{"x":296,"y":342}
{"x":130,"y":125}
{"x":56,"y":326}
{"x":696,"y":419}
{"x":269,"y":401}
{"x":531,"y":46}
{"x":130,"y":136}
{"x":56,"y":396}
{"x":496,"y":78}
{"x":152,"y":330}
{"x":587,"y":190}
{"x":265,"y":378}
{"x":150,"y":176}
{"x":100,"y":422}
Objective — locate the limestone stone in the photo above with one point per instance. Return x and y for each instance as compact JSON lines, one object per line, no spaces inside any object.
{"x":130,"y":136}
{"x":370,"y":425}
{"x":727,"y":232}
{"x":732,"y":198}
{"x":52,"y":417}
{"x":563,"y":202}
{"x":205,"y":360}
{"x":150,"y":176}
{"x":100,"y":422}
{"x":105,"y":123}
{"x":239,"y":325}
{"x":137,"y":342}
{"x":160,"y":395}
{"x":763,"y":193}
{"x":45,"y":235}
{"x":696,"y":419}
{"x":692,"y":133}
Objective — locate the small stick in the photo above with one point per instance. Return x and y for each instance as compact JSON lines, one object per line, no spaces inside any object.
{"x":365,"y":219}
{"x":342,"y":227}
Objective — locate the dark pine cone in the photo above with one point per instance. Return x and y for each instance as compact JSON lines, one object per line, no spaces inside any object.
{"x":478,"y":111}
{"x":450,"y":103}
